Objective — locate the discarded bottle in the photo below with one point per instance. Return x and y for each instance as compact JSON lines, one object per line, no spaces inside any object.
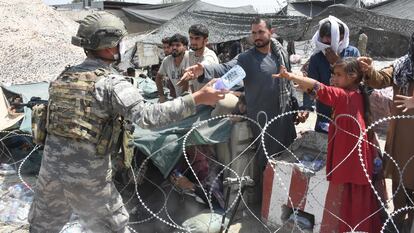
{"x":324,"y":126}
{"x":16,"y":191}
{"x":4,"y":210}
{"x":315,"y":165}
{"x":230,"y":79}
{"x":13,"y":211}
{"x":302,"y":222}
{"x":377,"y":165}
{"x":309,"y":162}
{"x":177,"y":173}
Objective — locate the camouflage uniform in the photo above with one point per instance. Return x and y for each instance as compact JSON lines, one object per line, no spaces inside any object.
{"x":74,"y":179}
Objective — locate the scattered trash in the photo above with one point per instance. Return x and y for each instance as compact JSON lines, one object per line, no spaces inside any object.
{"x":7,"y":169}
{"x":295,"y":59}
{"x":309,"y":162}
{"x":301,"y":221}
{"x":15,"y":204}
{"x":324,"y":126}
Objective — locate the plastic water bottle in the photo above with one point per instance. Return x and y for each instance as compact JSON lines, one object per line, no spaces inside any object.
{"x":16,"y":191}
{"x":230,"y":79}
{"x":324,"y":126}
{"x":177,"y":173}
{"x":377,"y":165}
{"x":14,"y":208}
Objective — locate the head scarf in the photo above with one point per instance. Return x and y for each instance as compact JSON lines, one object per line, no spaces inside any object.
{"x":336,"y":45}
{"x":403,"y":69}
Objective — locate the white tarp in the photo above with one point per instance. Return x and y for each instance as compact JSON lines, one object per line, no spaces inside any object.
{"x":148,"y":54}
{"x":7,"y":119}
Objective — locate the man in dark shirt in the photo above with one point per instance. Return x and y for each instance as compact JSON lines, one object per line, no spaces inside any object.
{"x":266,"y":97}
{"x":320,"y":65}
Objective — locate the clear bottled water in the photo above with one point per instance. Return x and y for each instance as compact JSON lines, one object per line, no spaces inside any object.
{"x":234,"y":76}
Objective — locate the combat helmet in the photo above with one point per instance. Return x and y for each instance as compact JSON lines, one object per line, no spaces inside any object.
{"x":99,"y":31}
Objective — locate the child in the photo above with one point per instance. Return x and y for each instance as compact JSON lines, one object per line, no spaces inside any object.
{"x":343,"y":165}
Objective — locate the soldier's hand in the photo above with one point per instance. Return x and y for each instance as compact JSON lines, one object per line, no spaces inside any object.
{"x":207,"y":95}
{"x":331,"y":56}
{"x":365,"y":64}
{"x":191,"y":73}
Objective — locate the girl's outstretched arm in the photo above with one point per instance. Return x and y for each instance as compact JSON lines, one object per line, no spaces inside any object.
{"x":305,"y":83}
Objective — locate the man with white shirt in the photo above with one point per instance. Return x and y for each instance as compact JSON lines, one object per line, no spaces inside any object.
{"x":199,"y":53}
{"x":173,"y":67}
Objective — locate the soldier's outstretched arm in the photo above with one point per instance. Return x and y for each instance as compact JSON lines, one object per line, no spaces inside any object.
{"x":125,"y":99}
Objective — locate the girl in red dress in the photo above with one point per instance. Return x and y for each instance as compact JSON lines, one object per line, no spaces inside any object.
{"x":359,"y":207}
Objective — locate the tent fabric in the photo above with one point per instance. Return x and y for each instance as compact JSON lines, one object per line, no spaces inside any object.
{"x":164,"y":146}
{"x":357,"y":18}
{"x":230,"y":26}
{"x":312,"y":8}
{"x":161,"y":13}
{"x":398,"y":8}
{"x":27,"y":91}
{"x":223,"y":26}
{"x":7,"y":120}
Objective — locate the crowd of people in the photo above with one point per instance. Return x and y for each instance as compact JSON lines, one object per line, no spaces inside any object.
{"x":87,"y":100}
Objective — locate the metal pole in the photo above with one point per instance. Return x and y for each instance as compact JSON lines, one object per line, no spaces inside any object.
{"x":235,"y":208}
{"x":226,"y":205}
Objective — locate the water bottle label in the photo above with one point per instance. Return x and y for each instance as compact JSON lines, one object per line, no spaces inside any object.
{"x":231,"y":78}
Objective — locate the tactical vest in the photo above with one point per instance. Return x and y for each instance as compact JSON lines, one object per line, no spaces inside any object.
{"x":72,"y":111}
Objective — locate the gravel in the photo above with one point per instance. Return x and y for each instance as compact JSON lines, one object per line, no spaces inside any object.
{"x":35,"y":42}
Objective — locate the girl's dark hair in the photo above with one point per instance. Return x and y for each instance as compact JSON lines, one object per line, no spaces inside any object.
{"x":351,"y":68}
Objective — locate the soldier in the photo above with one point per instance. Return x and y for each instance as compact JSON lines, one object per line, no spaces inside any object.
{"x":85,"y":104}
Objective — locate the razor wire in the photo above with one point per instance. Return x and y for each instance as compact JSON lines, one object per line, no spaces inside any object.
{"x":155,"y":214}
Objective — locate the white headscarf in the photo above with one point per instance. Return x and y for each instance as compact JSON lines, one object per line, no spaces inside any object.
{"x":336,"y":45}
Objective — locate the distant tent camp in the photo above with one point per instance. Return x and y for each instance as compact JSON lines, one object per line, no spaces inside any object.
{"x":310,"y":8}
{"x":222,"y":26}
{"x":161,"y":13}
{"x":388,"y":36}
{"x":402,"y":9}
{"x":140,"y":17}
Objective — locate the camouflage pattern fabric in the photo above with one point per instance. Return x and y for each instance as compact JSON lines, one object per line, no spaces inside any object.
{"x":73,"y":179}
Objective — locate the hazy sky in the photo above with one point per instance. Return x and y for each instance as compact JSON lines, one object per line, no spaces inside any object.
{"x":260,"y":5}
